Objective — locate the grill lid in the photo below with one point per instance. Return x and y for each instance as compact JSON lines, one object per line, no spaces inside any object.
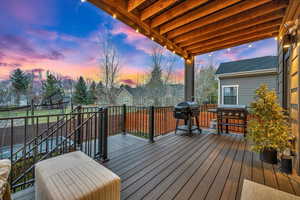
{"x":186,"y":104}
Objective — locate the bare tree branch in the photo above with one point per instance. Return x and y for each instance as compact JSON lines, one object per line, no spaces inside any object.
{"x":109,"y":66}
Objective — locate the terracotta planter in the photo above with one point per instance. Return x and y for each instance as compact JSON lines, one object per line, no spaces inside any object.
{"x":269,"y":156}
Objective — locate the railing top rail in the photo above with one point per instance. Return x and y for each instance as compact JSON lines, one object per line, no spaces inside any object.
{"x":41,"y":116}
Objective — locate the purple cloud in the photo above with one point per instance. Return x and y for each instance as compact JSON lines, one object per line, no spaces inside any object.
{"x":25,"y":48}
{"x":128,"y":82}
{"x":50,"y":35}
{"x":37,"y":70}
{"x":1,"y":55}
{"x":14,"y":65}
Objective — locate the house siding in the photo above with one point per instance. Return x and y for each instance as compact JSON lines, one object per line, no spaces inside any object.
{"x":248,"y":85}
{"x":124,"y":97}
{"x":289,"y":66}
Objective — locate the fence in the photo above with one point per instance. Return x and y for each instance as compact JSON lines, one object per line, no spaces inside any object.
{"x":144,"y":121}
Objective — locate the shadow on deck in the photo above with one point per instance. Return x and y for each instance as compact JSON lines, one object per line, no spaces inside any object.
{"x":204,"y":166}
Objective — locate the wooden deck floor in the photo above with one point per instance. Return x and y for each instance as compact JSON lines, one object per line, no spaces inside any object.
{"x":205,"y":166}
{"x":200,"y":167}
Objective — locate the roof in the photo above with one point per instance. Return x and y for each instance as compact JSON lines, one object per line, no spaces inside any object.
{"x":194,"y":27}
{"x":248,"y":65}
{"x":138,"y":91}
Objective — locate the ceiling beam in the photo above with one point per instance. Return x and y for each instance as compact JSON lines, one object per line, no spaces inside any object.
{"x":227,"y":12}
{"x":119,"y":8}
{"x":176,"y":11}
{"x":256,"y":14}
{"x":231,"y":44}
{"x":132,"y":4}
{"x":256,"y":22}
{"x":247,"y":33}
{"x":196,"y":14}
{"x":156,"y":8}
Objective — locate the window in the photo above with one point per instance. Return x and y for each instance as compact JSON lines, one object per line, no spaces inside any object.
{"x":230,"y":94}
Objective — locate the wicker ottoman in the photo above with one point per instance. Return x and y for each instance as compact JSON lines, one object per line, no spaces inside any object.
{"x":75,"y":176}
{"x":252,"y":190}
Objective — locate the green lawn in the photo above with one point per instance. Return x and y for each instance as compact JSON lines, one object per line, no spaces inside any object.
{"x":23,"y":113}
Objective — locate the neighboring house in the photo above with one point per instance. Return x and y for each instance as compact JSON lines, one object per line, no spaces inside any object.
{"x":132,"y":96}
{"x":174,"y":94}
{"x":138,"y":96}
{"x":238,"y":80}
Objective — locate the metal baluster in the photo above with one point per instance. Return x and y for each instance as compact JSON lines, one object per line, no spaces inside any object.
{"x":95,"y":133}
{"x":12,"y":148}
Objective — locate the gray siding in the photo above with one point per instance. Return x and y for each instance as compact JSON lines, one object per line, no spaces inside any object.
{"x":248,"y":85}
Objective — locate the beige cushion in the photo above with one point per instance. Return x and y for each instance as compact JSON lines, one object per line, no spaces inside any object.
{"x":5,"y":167}
{"x":75,"y":176}
{"x":252,"y":190}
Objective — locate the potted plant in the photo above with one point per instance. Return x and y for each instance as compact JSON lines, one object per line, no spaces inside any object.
{"x":269,"y":129}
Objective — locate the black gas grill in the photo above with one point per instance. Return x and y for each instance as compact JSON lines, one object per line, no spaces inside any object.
{"x":189,"y":112}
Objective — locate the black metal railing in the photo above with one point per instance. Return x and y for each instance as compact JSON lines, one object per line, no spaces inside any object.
{"x":44,"y":136}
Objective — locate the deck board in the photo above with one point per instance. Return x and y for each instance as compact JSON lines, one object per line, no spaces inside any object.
{"x":205,"y":166}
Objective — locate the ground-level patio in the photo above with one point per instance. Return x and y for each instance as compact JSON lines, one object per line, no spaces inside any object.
{"x":205,"y":166}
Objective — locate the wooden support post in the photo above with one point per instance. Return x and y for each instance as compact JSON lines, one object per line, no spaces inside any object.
{"x":189,"y":79}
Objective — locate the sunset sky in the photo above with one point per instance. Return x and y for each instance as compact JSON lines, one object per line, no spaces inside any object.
{"x":62,"y":36}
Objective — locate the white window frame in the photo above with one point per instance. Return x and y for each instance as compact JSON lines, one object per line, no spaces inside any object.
{"x":237,"y":92}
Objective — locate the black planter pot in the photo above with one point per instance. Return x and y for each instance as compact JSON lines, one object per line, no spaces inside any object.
{"x":269,"y":156}
{"x":286,"y":165}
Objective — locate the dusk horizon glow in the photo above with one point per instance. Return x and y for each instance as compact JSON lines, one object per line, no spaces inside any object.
{"x":62,"y":37}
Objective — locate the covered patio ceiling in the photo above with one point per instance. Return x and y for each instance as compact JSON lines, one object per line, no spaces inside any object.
{"x":193,"y":27}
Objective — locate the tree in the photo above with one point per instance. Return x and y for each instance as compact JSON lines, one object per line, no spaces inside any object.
{"x":80,"y":95}
{"x":155,"y":86}
{"x":52,"y":90}
{"x":92,"y":93}
{"x":4,"y":93}
{"x":206,"y":85}
{"x":20,"y":83}
{"x":100,"y":92}
{"x":109,"y":67}
{"x":162,"y":64}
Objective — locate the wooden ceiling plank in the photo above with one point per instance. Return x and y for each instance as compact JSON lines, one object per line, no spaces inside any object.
{"x":259,"y":21}
{"x":227,"y":12}
{"x":251,"y":32}
{"x":266,"y":11}
{"x":233,"y":44}
{"x":202,"y":11}
{"x":120,"y":9}
{"x":132,"y":4}
{"x":233,"y":40}
{"x":156,"y":8}
{"x":176,"y":11}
